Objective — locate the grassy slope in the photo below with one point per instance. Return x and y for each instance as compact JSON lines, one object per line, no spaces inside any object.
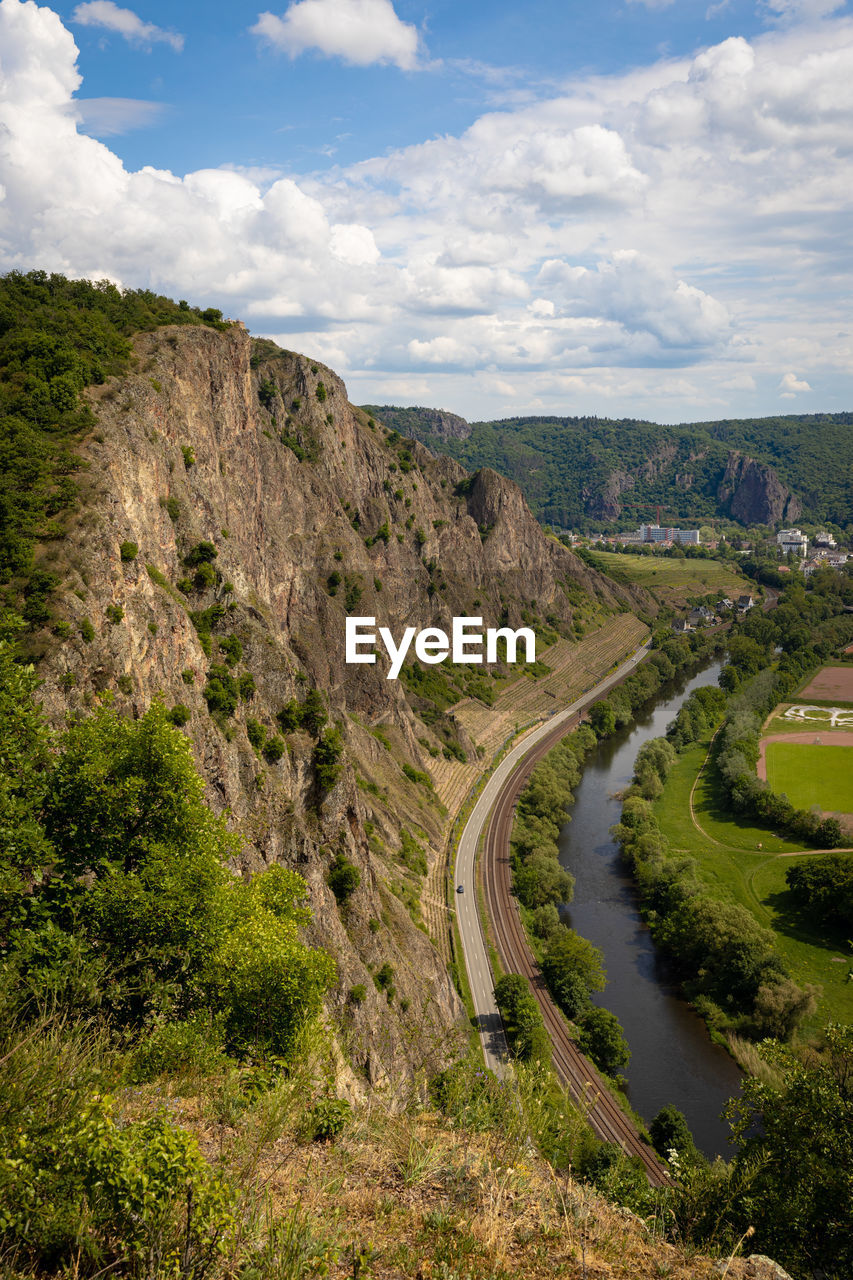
{"x":810,"y":775}
{"x":736,"y":870}
{"x":672,"y":582}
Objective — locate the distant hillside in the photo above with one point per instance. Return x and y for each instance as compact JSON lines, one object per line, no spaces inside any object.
{"x":577,"y":470}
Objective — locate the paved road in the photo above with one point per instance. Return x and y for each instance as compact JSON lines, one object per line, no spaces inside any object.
{"x":477,"y":965}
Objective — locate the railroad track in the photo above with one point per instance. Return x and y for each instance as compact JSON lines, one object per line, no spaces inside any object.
{"x":577,"y":1073}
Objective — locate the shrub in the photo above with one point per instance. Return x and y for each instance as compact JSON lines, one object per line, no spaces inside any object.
{"x":274,"y":748}
{"x":357,"y":994}
{"x":221,"y":693}
{"x":128,"y":551}
{"x":328,"y":1117}
{"x":343,"y":878}
{"x":87,"y":631}
{"x":114,"y":614}
{"x":232,"y":650}
{"x":179,"y":714}
{"x":189,"y":456}
{"x":201,"y":553}
{"x":256,"y":733}
{"x":321,"y":392}
{"x":247,"y":686}
{"x":188,"y":675}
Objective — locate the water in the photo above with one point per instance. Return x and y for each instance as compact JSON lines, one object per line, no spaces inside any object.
{"x":673,"y":1059}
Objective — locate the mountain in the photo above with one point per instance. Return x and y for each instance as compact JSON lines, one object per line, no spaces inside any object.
{"x":229,"y":509}
{"x":578,"y":470}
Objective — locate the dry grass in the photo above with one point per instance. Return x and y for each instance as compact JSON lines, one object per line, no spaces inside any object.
{"x":411,"y":1194}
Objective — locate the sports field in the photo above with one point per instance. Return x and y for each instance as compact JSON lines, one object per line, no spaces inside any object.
{"x":803,"y":717}
{"x":811,"y":773}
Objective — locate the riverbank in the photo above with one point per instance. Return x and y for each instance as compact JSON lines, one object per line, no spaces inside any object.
{"x":746,"y":864}
{"x":673,"y":1059}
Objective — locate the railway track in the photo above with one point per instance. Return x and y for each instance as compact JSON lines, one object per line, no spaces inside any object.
{"x":577,"y":1073}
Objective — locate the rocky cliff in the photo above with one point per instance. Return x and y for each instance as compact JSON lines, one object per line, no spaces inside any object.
{"x":752,"y":493}
{"x":234,"y":509}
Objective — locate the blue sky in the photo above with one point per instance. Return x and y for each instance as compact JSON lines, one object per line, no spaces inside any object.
{"x":638,"y":209}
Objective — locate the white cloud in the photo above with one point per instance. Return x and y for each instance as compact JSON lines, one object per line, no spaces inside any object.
{"x":789,"y":11}
{"x":106,"y":14}
{"x":662,"y":241}
{"x":791,"y":384}
{"x":360,"y":32}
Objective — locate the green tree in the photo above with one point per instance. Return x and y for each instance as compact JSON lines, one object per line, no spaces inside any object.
{"x":571,"y":965}
{"x":795,"y":1157}
{"x":601,"y":1038}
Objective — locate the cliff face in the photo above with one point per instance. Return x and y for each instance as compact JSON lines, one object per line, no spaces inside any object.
{"x":752,"y":493}
{"x":310,"y":512}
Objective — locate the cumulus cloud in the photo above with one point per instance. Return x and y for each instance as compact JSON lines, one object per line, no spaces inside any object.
{"x":797,"y":10}
{"x":109,"y":16}
{"x":360,"y":32}
{"x":791,"y":384}
{"x":641,"y":237}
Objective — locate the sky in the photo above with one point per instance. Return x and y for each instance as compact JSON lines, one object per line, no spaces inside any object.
{"x":635,"y":209}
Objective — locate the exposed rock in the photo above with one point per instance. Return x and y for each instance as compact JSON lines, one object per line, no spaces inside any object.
{"x":605,"y":505}
{"x":202,"y":443}
{"x":756,"y":1267}
{"x":752,"y":493}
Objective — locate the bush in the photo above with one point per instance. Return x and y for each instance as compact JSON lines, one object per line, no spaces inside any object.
{"x":179,"y":714}
{"x":343,"y":878}
{"x":128,"y":551}
{"x":189,"y":456}
{"x":256,"y":733}
{"x":328,"y":1118}
{"x":327,"y":759}
{"x":357,"y":994}
{"x":114,"y":614}
{"x":87,"y":631}
{"x":191,"y":1047}
{"x":274,"y":748}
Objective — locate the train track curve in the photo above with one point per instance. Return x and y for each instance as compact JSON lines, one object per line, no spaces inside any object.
{"x":494,"y":813}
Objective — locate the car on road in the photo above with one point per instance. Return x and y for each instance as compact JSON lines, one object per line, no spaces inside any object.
{"x":460,"y":888}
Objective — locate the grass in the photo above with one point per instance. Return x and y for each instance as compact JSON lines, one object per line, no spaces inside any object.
{"x":740,"y":862}
{"x":808,"y":774}
{"x":777,"y":723}
{"x":672,"y":581}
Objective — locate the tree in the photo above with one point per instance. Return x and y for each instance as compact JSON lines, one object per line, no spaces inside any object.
{"x":669,"y":1131}
{"x":795,"y":1157}
{"x":601,"y":1038}
{"x":573,"y":968}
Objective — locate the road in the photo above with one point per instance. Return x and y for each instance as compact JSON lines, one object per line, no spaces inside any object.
{"x":494,"y":813}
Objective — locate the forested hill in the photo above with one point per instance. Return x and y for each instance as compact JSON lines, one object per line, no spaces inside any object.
{"x":577,"y":470}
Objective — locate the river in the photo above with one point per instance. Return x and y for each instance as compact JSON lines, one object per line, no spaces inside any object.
{"x":673,"y":1059}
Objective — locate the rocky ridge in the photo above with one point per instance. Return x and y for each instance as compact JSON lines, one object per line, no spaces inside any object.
{"x":234,"y":509}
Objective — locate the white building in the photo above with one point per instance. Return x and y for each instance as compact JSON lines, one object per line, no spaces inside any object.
{"x":658,"y":533}
{"x":792,"y":540}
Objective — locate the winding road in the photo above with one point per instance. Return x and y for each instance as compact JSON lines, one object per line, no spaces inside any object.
{"x":493,"y":813}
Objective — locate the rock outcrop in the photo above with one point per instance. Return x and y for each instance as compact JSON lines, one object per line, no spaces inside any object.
{"x":752,"y":493}
{"x":304,"y":511}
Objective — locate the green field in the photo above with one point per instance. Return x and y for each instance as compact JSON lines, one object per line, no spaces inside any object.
{"x":808,"y":774}
{"x":673,"y":581}
{"x":741,"y":863}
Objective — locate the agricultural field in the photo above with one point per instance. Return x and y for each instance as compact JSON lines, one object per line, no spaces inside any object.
{"x":746,"y":864}
{"x":830,"y":684}
{"x":674,"y":582}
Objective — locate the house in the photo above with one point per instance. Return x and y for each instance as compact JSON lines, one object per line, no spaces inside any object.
{"x":681,"y":626}
{"x":744,"y":603}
